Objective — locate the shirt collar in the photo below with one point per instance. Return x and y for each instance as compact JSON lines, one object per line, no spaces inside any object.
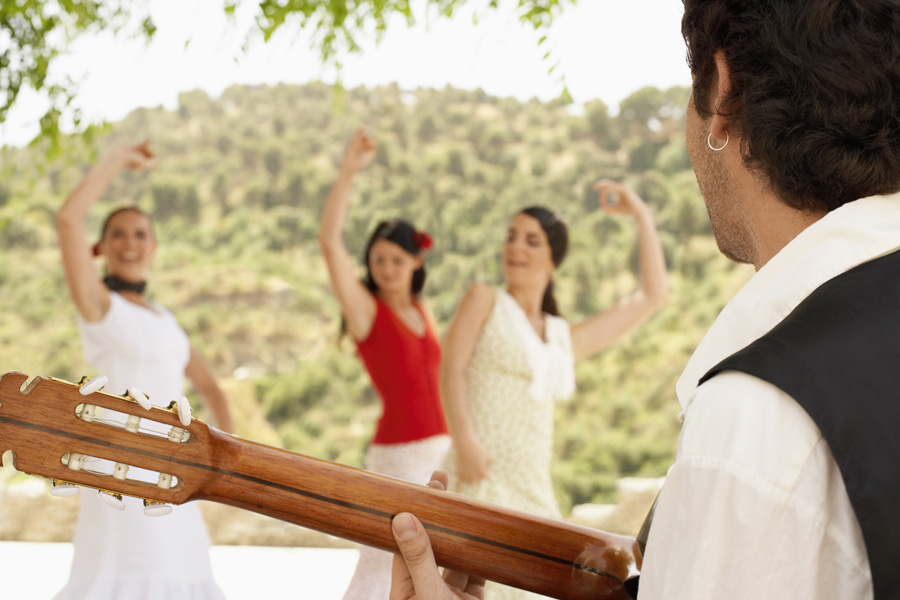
{"x":844,"y":238}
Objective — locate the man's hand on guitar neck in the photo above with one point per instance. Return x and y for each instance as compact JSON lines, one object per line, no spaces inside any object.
{"x":415,"y":575}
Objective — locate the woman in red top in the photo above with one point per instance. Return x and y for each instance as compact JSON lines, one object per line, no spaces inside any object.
{"x":385,"y":315}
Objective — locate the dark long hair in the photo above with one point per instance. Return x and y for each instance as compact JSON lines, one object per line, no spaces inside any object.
{"x":558,"y":239}
{"x":404,"y":235}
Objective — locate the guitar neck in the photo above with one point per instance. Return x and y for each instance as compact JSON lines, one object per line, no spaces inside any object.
{"x":546,"y":556}
{"x":51,"y":427}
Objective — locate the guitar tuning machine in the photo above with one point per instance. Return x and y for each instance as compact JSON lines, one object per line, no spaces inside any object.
{"x":139,"y":397}
{"x":112,"y":499}
{"x":64,"y":489}
{"x":152,"y":508}
{"x":182,"y":408}
{"x":89,"y":386}
{"x":178,"y":435}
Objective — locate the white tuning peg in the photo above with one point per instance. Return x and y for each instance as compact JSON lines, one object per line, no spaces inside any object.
{"x":164,"y":481}
{"x":61,"y":489}
{"x":87,"y":413}
{"x":94,"y":385}
{"x":75,"y":461}
{"x":120,"y":471}
{"x":177,"y":435}
{"x":139,"y":397}
{"x":156,"y":509}
{"x":133,"y":424}
{"x":184,"y":411}
{"x":114,"y":500}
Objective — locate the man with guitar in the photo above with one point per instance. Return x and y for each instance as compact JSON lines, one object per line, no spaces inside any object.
{"x":786,"y":475}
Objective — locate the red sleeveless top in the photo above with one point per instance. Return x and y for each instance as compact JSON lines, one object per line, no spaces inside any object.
{"x":404,"y":369}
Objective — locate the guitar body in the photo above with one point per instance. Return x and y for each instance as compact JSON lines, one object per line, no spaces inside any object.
{"x":44,"y":424}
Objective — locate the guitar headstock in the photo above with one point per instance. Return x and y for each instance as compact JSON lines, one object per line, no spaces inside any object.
{"x":103,"y":441}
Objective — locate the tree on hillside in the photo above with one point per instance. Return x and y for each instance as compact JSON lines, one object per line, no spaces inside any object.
{"x":603,"y":127}
{"x":273,"y":160}
{"x":37,"y":32}
{"x":653,"y":109}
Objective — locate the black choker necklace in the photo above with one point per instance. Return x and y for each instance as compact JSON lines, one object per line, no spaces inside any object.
{"x":116,"y":284}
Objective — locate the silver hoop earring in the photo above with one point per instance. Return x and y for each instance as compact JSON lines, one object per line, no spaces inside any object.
{"x":709,"y":142}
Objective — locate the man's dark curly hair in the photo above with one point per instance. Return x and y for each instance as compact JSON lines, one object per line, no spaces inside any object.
{"x":816,"y":91}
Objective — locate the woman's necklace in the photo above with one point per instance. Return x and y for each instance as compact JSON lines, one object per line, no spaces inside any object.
{"x":116,"y":284}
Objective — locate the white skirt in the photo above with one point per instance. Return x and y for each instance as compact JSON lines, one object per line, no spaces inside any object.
{"x":124,"y":554}
{"x":413,"y":462}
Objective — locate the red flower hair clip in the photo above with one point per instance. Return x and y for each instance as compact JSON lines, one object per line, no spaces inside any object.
{"x":422,"y":240}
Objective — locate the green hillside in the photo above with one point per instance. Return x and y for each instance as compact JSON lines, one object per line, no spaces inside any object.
{"x":237,"y":193}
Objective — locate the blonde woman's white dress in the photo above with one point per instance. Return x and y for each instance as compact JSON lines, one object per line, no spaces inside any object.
{"x":124,"y":554}
{"x":513,"y":381}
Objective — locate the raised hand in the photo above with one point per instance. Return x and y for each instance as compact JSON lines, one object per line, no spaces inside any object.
{"x":136,"y":157}
{"x":415,"y":574}
{"x":86,"y":290}
{"x":604,"y":328}
{"x":616,"y":198}
{"x":356,"y":302}
{"x":361,"y":150}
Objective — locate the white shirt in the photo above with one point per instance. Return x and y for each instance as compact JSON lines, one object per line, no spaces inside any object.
{"x":137,"y":346}
{"x":755,"y":506}
{"x":550,"y":360}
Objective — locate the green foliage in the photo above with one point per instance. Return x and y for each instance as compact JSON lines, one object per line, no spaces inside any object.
{"x":602,"y":126}
{"x":176,"y":197}
{"x":289,"y":397}
{"x":239,"y":261}
{"x":427,"y":129}
{"x":652,"y":109}
{"x":643,"y":156}
{"x":272,"y":160}
{"x":673,"y":157}
{"x":35,"y":33}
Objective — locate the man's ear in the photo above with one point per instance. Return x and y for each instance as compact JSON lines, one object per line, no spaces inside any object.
{"x":719,"y":124}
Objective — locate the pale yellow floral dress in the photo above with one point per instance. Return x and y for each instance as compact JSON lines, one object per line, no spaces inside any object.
{"x":513,"y":381}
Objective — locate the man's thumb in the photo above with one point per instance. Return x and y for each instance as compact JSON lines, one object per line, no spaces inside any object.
{"x":412,"y":539}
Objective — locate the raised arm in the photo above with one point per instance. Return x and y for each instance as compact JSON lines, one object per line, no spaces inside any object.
{"x":605,"y":328}
{"x":90,"y":296}
{"x":206,"y":384}
{"x":357,"y":304}
{"x":473,"y":461}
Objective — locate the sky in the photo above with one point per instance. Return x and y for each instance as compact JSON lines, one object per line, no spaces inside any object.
{"x":606,"y":49}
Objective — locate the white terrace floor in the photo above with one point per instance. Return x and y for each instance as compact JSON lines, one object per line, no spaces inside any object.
{"x":32,"y":571}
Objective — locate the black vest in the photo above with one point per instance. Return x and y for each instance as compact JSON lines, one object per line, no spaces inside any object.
{"x":838,"y":355}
